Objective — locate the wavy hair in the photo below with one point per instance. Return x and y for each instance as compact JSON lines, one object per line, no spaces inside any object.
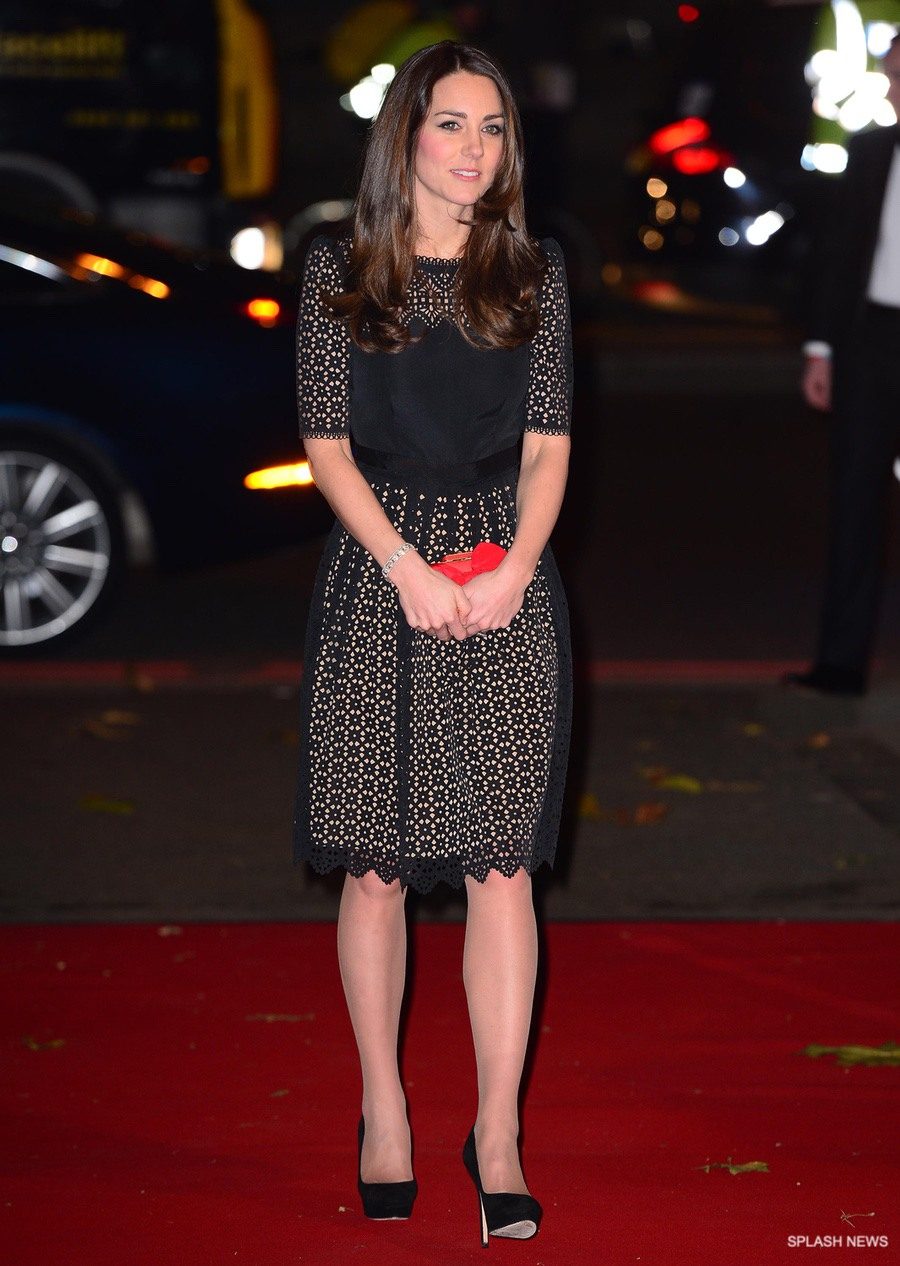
{"x":495,"y":297}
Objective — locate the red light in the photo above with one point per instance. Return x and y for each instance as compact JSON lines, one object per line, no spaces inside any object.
{"x":264,"y":311}
{"x":684,"y":132}
{"x":697,"y":162}
{"x":688,"y":12}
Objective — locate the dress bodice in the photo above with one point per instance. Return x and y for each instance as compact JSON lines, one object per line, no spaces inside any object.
{"x":440,"y":400}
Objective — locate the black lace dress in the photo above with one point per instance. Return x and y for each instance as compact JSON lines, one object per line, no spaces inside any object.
{"x":426,"y":760}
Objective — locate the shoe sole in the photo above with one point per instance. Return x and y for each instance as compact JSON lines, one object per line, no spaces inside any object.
{"x":516,"y":1230}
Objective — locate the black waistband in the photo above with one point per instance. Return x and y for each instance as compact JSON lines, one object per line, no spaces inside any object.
{"x":463,"y":472}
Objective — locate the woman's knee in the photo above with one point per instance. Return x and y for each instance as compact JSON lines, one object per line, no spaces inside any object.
{"x":499,"y":887}
{"x":370,"y":888}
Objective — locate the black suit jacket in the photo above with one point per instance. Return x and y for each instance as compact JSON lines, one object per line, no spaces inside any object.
{"x":843,"y":258}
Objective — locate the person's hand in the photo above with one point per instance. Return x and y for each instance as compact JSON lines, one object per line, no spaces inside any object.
{"x":431,"y":602}
{"x":496,"y":596}
{"x":816,"y":382}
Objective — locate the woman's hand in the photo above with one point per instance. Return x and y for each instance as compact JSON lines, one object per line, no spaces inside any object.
{"x":816,"y":382}
{"x":431,"y":602}
{"x":496,"y":596}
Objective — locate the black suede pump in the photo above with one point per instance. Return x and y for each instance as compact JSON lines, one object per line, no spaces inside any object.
{"x":384,"y":1200}
{"x":509,"y":1214}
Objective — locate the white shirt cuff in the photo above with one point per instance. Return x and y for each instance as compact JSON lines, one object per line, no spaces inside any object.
{"x":815,"y":347}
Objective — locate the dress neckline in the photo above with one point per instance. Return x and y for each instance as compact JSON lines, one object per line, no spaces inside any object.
{"x":438,"y":259}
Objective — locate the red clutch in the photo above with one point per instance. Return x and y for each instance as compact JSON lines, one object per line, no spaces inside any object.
{"x":462,"y":567}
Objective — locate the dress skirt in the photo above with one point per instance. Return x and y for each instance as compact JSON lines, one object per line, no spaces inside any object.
{"x":423,"y":760}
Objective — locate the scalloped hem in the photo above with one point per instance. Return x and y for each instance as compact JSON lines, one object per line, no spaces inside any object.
{"x":454,"y":874}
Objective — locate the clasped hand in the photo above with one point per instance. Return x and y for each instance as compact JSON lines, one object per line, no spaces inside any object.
{"x":434,"y":604}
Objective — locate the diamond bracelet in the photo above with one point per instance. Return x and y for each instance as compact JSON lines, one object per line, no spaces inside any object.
{"x":395,"y":557}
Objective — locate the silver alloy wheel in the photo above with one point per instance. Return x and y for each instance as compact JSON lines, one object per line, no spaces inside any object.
{"x":55,"y":548}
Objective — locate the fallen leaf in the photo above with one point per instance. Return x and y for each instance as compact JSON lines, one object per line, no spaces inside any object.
{"x":680,"y":782}
{"x":34,"y":1045}
{"x":272,"y":1017}
{"x":747,"y":1167}
{"x":103,"y":804}
{"x":646,"y":814}
{"x":888,"y":1054}
{"x":589,"y":807}
{"x":111,"y":724}
{"x":662,"y":776}
{"x":649,"y":813}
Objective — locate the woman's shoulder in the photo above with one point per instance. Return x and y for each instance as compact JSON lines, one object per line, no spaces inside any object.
{"x":326,"y":259}
{"x":327,"y":245}
{"x":551,"y":250}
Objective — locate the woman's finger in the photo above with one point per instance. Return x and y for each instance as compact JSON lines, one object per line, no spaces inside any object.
{"x":458,"y":630}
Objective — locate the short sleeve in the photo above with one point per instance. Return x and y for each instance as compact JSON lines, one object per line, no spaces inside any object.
{"x":323,"y":349}
{"x":548,"y":407}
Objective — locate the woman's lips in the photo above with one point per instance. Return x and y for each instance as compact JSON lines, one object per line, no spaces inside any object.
{"x":463,"y":173}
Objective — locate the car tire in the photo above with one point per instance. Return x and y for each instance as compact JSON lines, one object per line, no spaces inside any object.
{"x":62,"y":544}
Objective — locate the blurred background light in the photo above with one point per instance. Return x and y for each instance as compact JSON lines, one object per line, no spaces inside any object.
{"x":289,"y":476}
{"x":665,"y":210}
{"x":734,"y":177}
{"x":760,"y":229}
{"x":683,"y":132}
{"x":365,"y":97}
{"x":844,"y":90}
{"x":878,"y":37}
{"x":825,"y":157}
{"x":697,"y":160}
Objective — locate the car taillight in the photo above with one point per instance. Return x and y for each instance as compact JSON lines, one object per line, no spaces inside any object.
{"x":264,"y":312}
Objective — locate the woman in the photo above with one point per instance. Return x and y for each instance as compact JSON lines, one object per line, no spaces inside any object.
{"x":434,"y":385}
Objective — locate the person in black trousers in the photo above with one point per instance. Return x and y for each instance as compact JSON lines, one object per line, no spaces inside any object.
{"x":852,"y":369}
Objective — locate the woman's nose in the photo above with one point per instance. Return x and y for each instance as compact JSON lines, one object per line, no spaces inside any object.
{"x":474,"y":145}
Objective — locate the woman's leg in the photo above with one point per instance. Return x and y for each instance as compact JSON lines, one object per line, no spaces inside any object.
{"x":372,"y":957}
{"x":499,"y":968}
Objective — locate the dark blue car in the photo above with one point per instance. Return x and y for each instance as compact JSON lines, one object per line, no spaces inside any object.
{"x":140,"y":386}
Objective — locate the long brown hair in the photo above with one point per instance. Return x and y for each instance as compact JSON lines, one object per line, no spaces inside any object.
{"x":498,"y":275}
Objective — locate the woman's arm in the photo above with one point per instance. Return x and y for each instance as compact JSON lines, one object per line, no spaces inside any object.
{"x":497,"y":595}
{"x":430,"y":601}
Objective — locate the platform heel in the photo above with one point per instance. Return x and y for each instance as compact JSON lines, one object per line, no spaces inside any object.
{"x":506,"y":1214}
{"x":384,"y":1201}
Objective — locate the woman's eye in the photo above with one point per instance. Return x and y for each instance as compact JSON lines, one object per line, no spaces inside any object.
{"x":495,"y":129}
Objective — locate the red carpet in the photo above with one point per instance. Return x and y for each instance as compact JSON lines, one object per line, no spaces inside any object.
{"x":190,"y":1096}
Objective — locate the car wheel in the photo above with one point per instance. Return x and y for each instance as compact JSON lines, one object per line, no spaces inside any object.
{"x":61,"y":545}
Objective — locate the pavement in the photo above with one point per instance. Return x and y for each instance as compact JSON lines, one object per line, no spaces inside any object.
{"x":699,"y":792}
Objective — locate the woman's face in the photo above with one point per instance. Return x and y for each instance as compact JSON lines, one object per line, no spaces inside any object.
{"x":460,"y":142}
